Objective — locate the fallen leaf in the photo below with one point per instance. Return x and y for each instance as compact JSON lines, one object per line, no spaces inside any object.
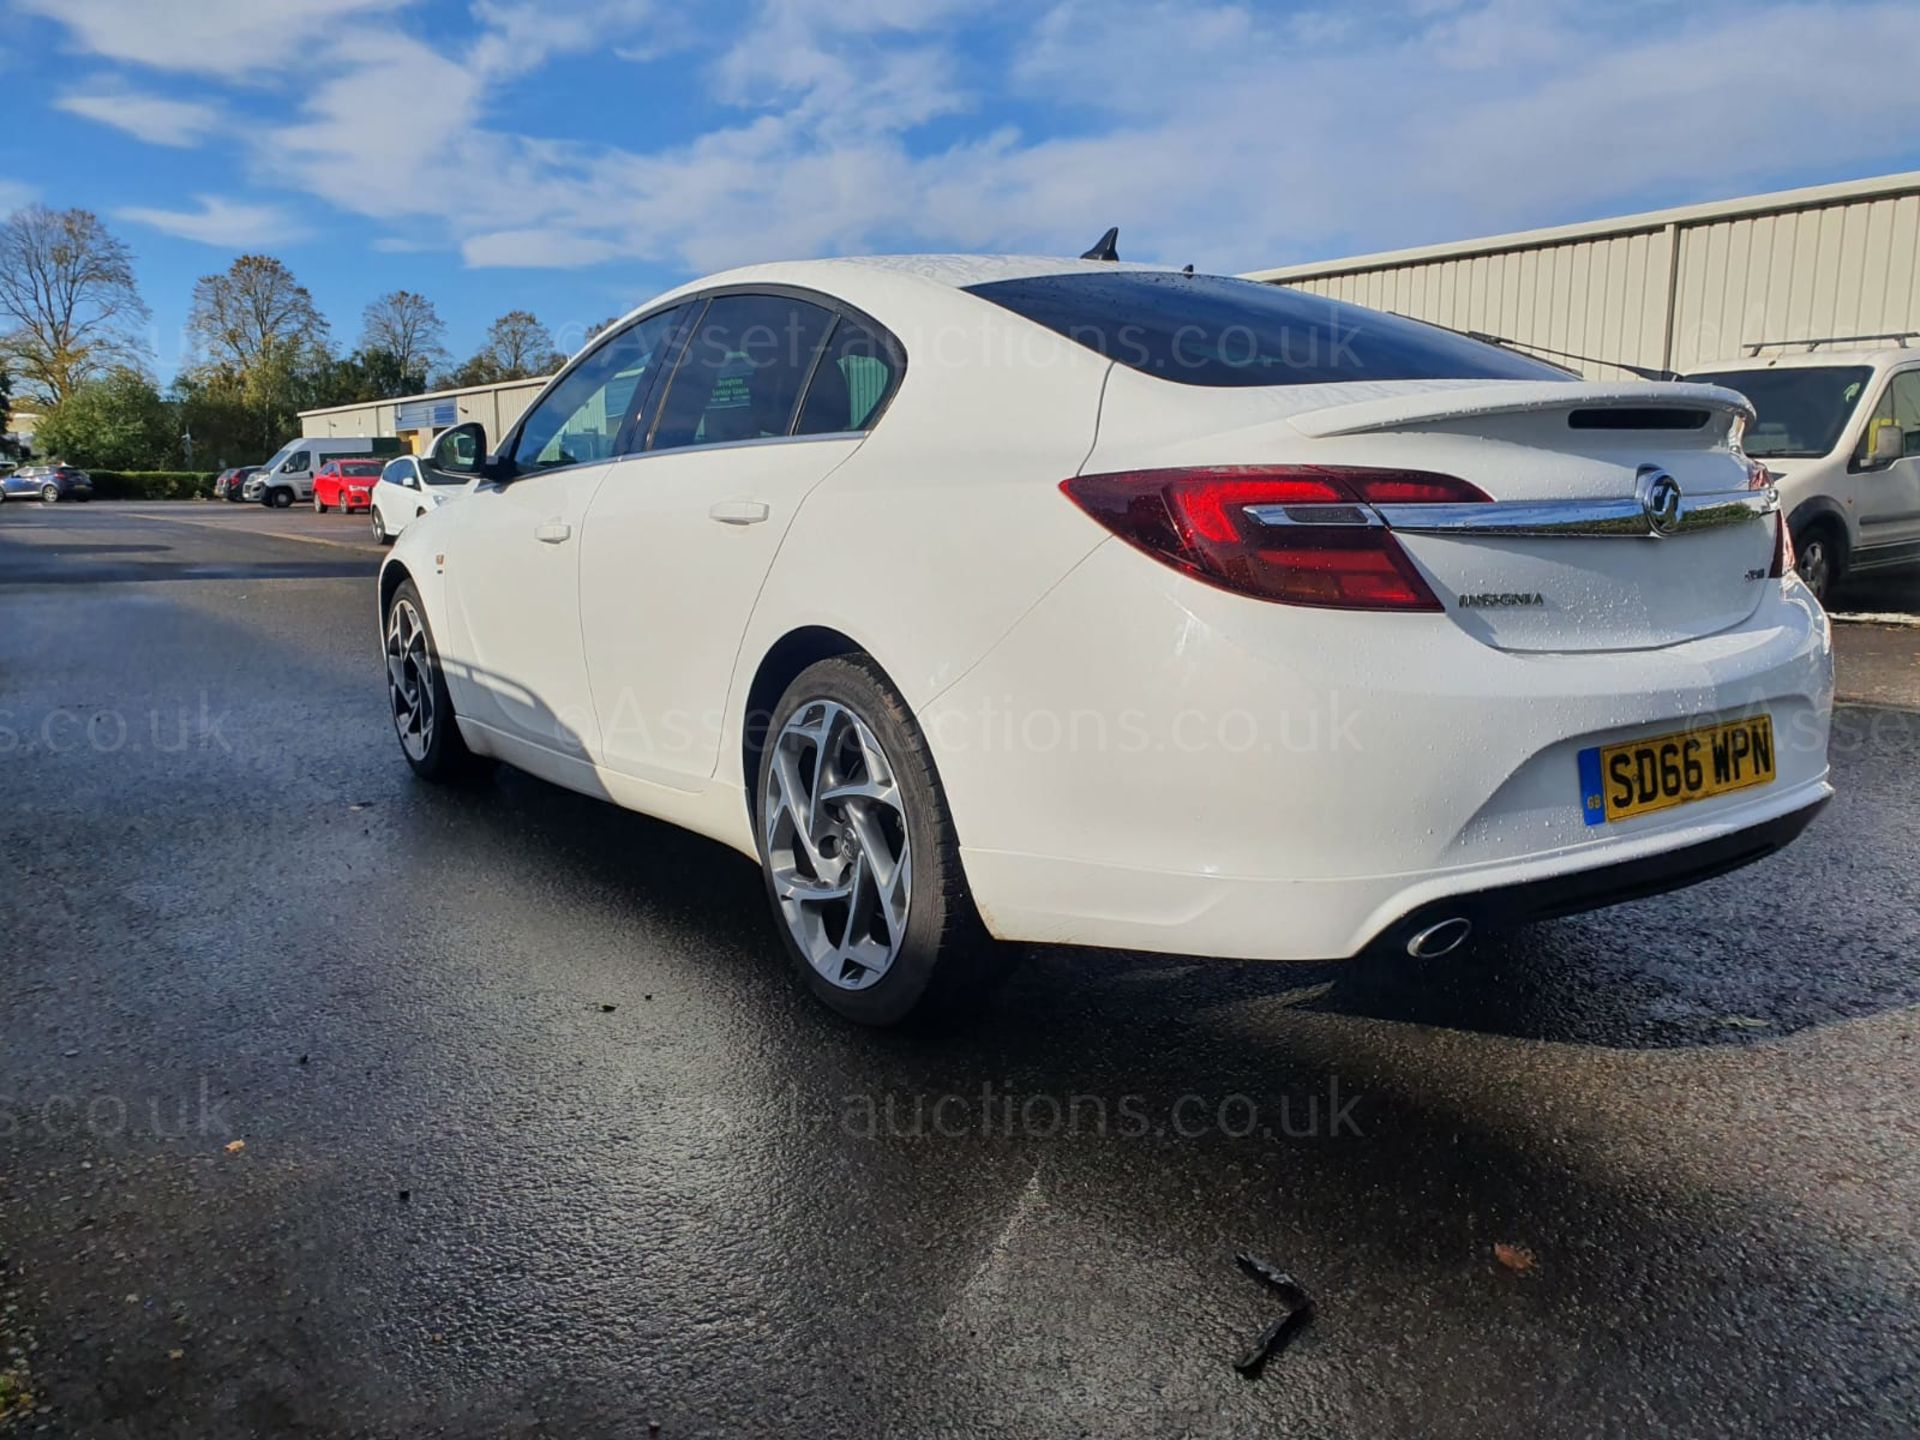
{"x":1514,"y":1257}
{"x":234,"y":1147}
{"x":176,"y":1354}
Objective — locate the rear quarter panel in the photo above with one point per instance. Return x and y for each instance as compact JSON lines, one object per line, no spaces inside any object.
{"x":947,"y":524}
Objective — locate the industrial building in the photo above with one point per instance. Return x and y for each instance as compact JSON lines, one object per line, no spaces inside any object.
{"x":415,"y":419}
{"x":1669,"y":290}
{"x":1665,"y":291}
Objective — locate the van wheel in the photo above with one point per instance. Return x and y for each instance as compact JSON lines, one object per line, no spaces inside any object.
{"x":280,"y":499}
{"x":859,"y":855}
{"x":1819,"y":558}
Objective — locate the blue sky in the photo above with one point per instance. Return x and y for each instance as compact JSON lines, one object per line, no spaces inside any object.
{"x":573,"y":157}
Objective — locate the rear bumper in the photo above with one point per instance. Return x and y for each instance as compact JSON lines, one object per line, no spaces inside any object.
{"x":1146,"y":763}
{"x":1522,"y":902}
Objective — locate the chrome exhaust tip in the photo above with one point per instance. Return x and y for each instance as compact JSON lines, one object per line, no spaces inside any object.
{"x":1441,"y":939}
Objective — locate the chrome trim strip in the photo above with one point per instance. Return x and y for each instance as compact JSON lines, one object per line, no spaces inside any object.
{"x":1317,"y":513}
{"x":1625,"y":517}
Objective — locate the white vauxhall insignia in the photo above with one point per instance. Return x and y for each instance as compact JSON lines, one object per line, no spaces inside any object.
{"x":1075,"y":602}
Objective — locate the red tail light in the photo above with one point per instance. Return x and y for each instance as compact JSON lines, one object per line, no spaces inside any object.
{"x":1320,"y":545}
{"x":1761,"y":478}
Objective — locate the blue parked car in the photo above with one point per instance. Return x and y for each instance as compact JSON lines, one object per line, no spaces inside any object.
{"x":47,"y":482}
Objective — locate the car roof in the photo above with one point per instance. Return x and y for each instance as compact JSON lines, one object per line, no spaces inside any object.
{"x":858,"y":277}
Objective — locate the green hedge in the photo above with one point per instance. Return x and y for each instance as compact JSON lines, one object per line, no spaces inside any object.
{"x":153,"y":484}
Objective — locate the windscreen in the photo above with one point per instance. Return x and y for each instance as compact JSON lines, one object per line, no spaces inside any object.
{"x":1213,"y":331}
{"x":1801,"y":410}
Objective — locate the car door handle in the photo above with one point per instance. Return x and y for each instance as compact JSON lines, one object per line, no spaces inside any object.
{"x":553,"y":532}
{"x":739,"y":512}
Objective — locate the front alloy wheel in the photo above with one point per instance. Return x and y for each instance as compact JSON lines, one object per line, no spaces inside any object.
{"x":410,"y":679}
{"x":422,"y":709}
{"x":837,"y":846}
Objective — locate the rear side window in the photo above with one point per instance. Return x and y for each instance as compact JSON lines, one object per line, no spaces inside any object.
{"x":742,"y":371}
{"x":854,"y":376}
{"x":1213,"y":331}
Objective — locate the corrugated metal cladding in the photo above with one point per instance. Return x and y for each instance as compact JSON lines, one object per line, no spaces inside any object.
{"x":414,"y":417}
{"x":1672,"y":289}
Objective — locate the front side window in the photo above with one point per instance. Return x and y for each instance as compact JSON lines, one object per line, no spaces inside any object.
{"x":1213,"y":331}
{"x":1899,"y":408}
{"x":581,"y":418}
{"x":398,"y":472}
{"x":1801,"y":410}
{"x":741,"y":375}
{"x":297,"y":463}
{"x":853,"y":377}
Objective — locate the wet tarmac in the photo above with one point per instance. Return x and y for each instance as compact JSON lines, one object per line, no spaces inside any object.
{"x":334,"y":1104}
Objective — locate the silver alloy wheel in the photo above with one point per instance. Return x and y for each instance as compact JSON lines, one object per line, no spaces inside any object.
{"x":836,"y":844}
{"x":50,"y":494}
{"x":379,"y":530}
{"x":410,"y":679}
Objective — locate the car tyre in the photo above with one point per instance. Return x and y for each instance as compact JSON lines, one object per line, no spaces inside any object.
{"x":280,"y":499}
{"x":318,"y":507}
{"x":380,"y":535}
{"x":870,"y":820}
{"x":1820,"y":558}
{"x":423,"y":717}
{"x":50,"y":494}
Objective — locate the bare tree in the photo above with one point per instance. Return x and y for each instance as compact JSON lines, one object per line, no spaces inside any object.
{"x":519,"y":345}
{"x":69,"y":305}
{"x":407,"y":327}
{"x":255,"y":315}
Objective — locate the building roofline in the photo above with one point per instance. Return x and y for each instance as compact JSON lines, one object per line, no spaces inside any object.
{"x":1807,"y":198}
{"x":429,"y":395}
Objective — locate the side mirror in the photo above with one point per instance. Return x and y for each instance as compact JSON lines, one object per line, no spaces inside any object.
{"x":1889,"y":443}
{"x":463,"y":451}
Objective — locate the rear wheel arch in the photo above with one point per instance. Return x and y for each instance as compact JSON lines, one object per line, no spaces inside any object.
{"x":785,"y":659}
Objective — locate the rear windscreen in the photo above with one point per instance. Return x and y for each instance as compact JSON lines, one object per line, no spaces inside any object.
{"x":1210,"y":330}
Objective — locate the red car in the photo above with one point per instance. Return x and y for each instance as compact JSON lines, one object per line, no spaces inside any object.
{"x":345,"y":485}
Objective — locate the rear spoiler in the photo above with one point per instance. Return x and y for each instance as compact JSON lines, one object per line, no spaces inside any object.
{"x":1426,"y":406}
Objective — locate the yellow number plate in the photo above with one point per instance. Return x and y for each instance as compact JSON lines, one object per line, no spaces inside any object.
{"x":1618,"y":782}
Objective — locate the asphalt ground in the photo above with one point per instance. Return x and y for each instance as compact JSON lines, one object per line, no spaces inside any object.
{"x":331,"y":1103}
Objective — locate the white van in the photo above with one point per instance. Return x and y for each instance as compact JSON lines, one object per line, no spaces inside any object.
{"x":288,"y":476}
{"x":1839,"y":427}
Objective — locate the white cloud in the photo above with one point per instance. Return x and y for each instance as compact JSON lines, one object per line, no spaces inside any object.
{"x":14,"y":194}
{"x":1227,"y":134}
{"x":232,"y":224}
{"x":230,"y":38}
{"x":149,"y":117}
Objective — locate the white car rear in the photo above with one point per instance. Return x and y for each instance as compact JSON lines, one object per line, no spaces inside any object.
{"x":1099,"y":605}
